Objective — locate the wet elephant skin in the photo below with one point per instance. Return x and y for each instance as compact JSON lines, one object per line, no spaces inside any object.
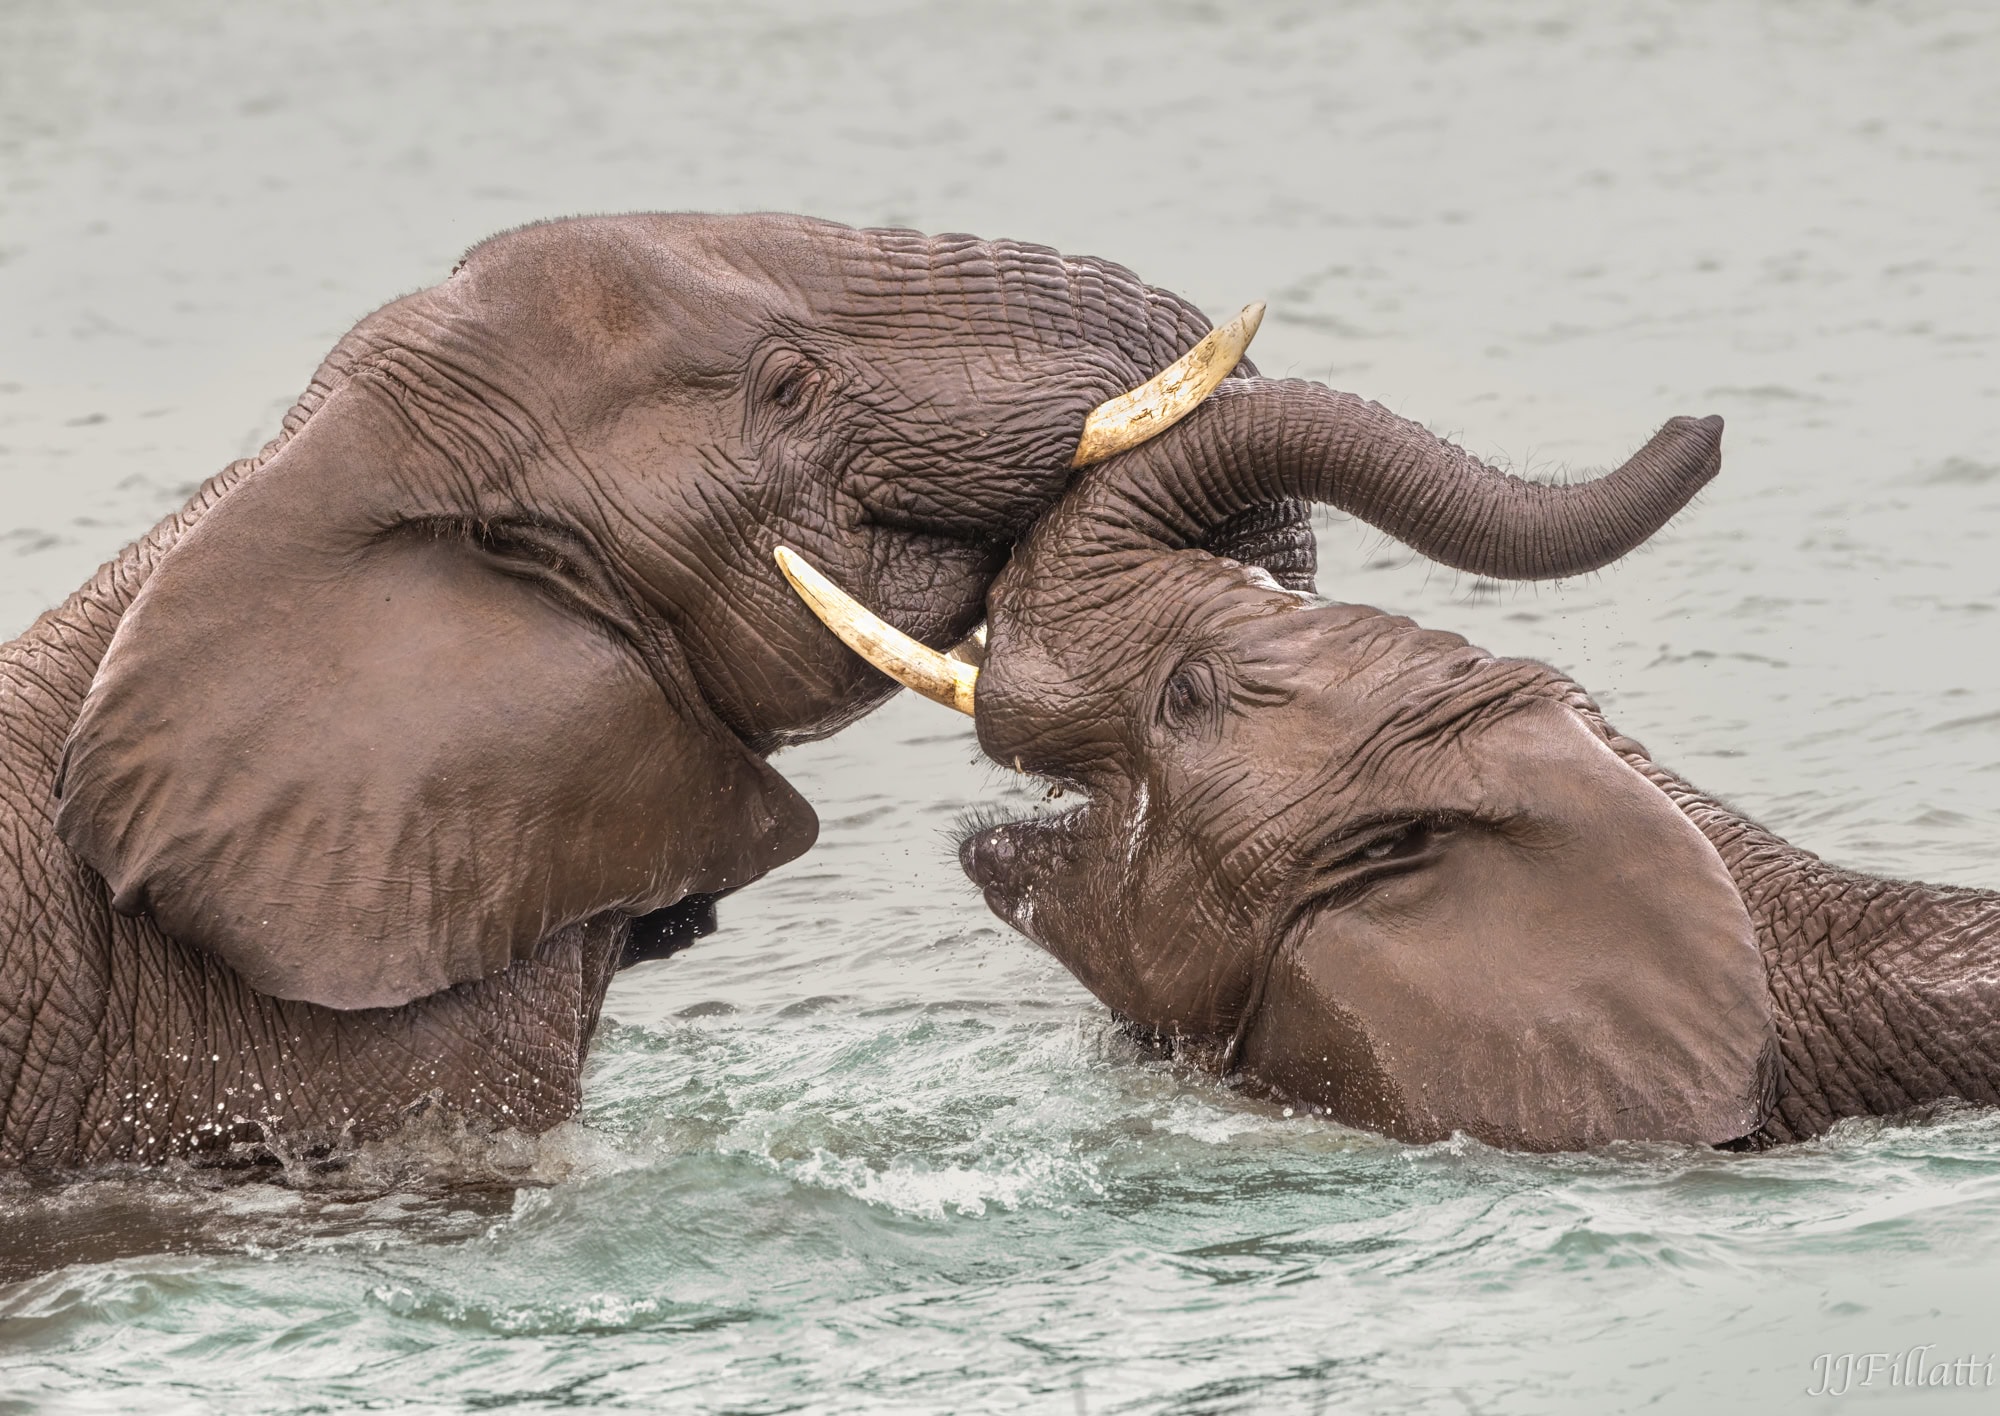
{"x":1373,"y":869}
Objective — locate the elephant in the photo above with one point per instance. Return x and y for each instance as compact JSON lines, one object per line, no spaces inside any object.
{"x":1370,"y":869}
{"x":343,"y":793}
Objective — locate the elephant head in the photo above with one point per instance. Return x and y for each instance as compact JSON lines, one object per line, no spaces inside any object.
{"x":490,"y":641}
{"x":1361,"y":863}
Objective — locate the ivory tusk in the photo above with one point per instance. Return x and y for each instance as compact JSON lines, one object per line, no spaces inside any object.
{"x":1170,"y":395}
{"x":940,"y":678}
{"x":971,"y":649}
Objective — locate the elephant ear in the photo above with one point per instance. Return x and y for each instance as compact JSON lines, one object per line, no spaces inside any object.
{"x":359,"y":759}
{"x":1570,"y":965}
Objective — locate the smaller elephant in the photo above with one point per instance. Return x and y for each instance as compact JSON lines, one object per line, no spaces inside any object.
{"x":1371,"y":868}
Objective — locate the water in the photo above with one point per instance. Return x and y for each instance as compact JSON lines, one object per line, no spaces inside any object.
{"x":863,"y":1150}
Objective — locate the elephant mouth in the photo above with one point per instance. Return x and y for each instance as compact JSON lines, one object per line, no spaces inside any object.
{"x":1013,"y":860}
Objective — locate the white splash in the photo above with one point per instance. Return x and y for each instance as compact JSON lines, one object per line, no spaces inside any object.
{"x":931,"y":1192}
{"x":1136,"y":833}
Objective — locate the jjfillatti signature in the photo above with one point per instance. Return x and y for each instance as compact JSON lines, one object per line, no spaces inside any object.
{"x":1838,"y":1373}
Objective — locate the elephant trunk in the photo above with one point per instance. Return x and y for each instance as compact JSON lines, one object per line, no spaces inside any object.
{"x":1257,"y":442}
{"x":1233,"y":476}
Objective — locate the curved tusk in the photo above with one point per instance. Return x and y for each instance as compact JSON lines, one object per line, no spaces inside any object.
{"x":971,"y":649}
{"x":1170,"y":395}
{"x":938,"y":678}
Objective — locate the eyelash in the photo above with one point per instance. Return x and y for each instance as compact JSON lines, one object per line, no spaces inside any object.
{"x":1190,"y":697}
{"x":792,"y":386}
{"x":1392,"y":851}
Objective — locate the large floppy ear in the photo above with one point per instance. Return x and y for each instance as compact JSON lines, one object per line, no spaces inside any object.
{"x":359,"y":754}
{"x":1566,"y":963}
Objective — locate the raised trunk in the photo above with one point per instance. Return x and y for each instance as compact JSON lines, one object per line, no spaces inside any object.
{"x":1258,"y":442}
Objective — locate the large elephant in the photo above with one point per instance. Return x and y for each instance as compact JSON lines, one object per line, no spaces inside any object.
{"x":346,"y":789}
{"x":1383,"y":873}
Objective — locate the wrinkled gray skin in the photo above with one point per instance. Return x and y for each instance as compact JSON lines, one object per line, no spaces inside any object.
{"x":346,"y":789}
{"x":1376,"y":870}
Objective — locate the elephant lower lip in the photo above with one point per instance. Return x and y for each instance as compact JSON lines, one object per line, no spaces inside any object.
{"x":1005,"y":858}
{"x":1002,"y":861}
{"x":988,"y":857}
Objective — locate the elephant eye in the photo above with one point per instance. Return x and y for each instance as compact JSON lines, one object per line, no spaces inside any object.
{"x":1191,"y":698}
{"x":790,"y":380}
{"x":790,"y":388}
{"x":1362,"y":857}
{"x":1407,"y":843}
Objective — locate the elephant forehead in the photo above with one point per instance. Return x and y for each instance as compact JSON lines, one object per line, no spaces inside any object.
{"x":613,"y":287}
{"x":1330,"y":680}
{"x":1368,"y":671}
{"x":1390,"y":737}
{"x":1361,"y":646}
{"x":770,"y":245}
{"x":1096,"y":622}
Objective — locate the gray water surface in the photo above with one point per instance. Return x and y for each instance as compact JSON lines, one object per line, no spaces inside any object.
{"x":864,"y":1150}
